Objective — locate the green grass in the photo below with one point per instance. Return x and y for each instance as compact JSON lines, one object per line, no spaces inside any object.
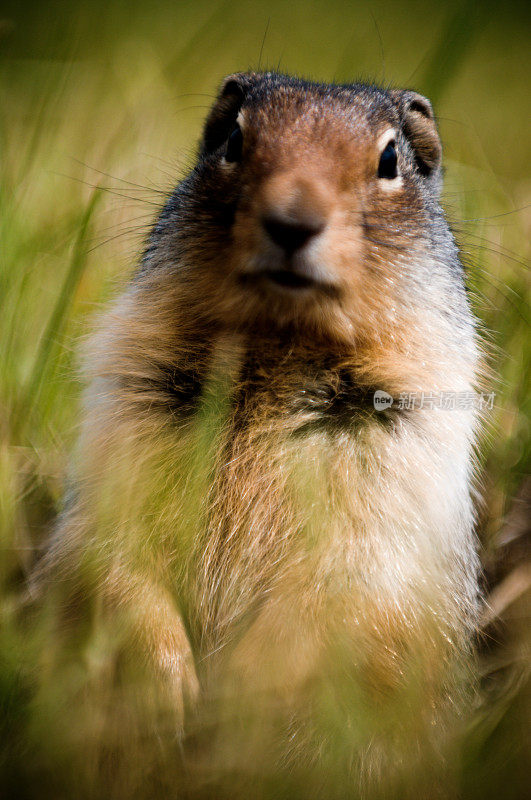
{"x":100,"y":108}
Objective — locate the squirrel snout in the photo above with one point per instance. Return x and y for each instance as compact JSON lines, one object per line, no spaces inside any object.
{"x":291,"y":234}
{"x":294,"y":210}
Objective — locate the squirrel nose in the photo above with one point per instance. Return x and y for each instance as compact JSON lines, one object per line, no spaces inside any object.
{"x":291,"y":234}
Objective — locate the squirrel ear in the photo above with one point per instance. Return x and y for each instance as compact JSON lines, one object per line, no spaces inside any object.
{"x":420,"y":129}
{"x":225,"y":110}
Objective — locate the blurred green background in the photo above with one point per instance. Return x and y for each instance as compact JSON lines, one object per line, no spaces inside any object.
{"x":101,"y":107}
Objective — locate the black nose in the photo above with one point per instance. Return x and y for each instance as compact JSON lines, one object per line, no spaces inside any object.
{"x":291,"y":234}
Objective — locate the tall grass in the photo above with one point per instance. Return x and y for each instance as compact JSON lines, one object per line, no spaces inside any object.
{"x":101,"y":106}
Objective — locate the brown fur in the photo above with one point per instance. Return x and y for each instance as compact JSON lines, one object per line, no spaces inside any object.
{"x":284,"y":542}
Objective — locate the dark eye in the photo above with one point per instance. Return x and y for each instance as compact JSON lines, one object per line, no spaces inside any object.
{"x":387,"y":165}
{"x":234,"y":145}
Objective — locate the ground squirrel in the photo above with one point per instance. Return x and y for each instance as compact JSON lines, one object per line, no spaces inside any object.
{"x":265,"y":534}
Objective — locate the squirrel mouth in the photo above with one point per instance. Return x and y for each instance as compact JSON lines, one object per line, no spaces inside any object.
{"x":288,"y":279}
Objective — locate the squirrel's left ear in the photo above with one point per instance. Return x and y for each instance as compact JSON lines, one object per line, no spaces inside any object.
{"x":419,"y":127}
{"x":223,"y":114}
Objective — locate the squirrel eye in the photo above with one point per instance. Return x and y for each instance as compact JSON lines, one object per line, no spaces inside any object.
{"x":388,"y":161}
{"x":234,"y":145}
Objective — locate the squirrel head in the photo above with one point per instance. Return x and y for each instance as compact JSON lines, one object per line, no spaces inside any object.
{"x":314,"y":208}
